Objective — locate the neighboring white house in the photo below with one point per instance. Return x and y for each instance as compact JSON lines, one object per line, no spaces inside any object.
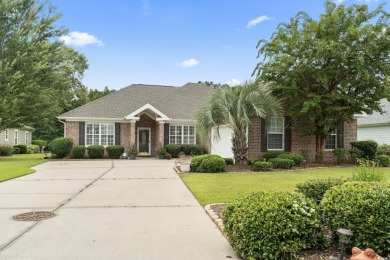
{"x":15,"y":136}
{"x":375,"y":126}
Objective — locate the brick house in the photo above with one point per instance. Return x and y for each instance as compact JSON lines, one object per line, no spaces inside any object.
{"x":149,"y":116}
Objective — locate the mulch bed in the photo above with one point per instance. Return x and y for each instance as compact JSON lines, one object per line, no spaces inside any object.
{"x":247,"y":168}
{"x":327,"y":254}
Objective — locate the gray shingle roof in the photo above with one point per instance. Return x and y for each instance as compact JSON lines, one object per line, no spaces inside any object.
{"x":175,"y":102}
{"x":376,"y":117}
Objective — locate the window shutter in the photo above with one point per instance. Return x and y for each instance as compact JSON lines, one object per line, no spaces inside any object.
{"x":287,"y":134}
{"x":263,"y":133}
{"x":81,"y":133}
{"x":166,"y":134}
{"x":117,"y":133}
{"x":340,"y":135}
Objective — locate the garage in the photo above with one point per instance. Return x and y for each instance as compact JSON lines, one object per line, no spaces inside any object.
{"x":222,"y":146}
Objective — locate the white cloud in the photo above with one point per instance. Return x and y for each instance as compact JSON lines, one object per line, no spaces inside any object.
{"x":339,"y":1}
{"x":233,"y":82}
{"x":80,"y":39}
{"x":189,"y":63}
{"x":258,"y":20}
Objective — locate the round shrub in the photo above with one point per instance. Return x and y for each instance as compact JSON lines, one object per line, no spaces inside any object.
{"x":271,"y":154}
{"x":212,"y":164}
{"x":297,"y":158}
{"x":173,"y":149}
{"x":40,"y":143}
{"x":363,"y":208}
{"x":198,"y":149}
{"x":252,"y":160}
{"x":272,"y":225}
{"x":261,"y":166}
{"x":115,"y":151}
{"x":78,"y":151}
{"x":5,"y":150}
{"x":341,"y":155}
{"x":95,"y":151}
{"x":61,"y":147}
{"x":315,"y":189}
{"x":197,"y":160}
{"x":22,"y":148}
{"x":368,"y":148}
{"x":384,"y":149}
{"x":32,"y":148}
{"x":229,"y":161}
{"x":15,"y":150}
{"x":280,"y":163}
{"x":383,"y":160}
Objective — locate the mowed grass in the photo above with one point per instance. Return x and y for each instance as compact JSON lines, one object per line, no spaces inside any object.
{"x":225,"y":187}
{"x":18,"y":165}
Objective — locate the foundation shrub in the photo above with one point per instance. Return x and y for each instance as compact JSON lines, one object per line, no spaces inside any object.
{"x":252,"y":160}
{"x":297,"y":158}
{"x":316,"y":188}
{"x":261,"y":166}
{"x":383,"y":160}
{"x":95,"y":151}
{"x":61,"y":147}
{"x":173,"y":150}
{"x":197,"y":161}
{"x":272,"y":225}
{"x":384,"y":149}
{"x":22,"y":148}
{"x":32,"y":148}
{"x":212,"y":165}
{"x":15,"y":150}
{"x":229,"y":161}
{"x":40,"y":143}
{"x":363,"y":208}
{"x":5,"y":150}
{"x":78,"y":151}
{"x":271,"y":154}
{"x":341,"y":155}
{"x":115,"y":151}
{"x":280,"y":163}
{"x":367,"y":148}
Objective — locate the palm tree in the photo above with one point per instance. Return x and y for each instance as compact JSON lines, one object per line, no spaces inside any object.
{"x":235,"y":107}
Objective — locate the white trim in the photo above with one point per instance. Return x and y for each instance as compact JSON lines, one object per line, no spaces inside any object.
{"x":182,"y":132}
{"x":335,"y":141}
{"x":267,"y":133}
{"x":99,"y":119}
{"x":145,"y":107}
{"x":150,"y":135}
{"x":6,"y":134}
{"x":26,"y":137}
{"x":16,"y":137}
{"x":100,"y":133}
{"x":360,"y":115}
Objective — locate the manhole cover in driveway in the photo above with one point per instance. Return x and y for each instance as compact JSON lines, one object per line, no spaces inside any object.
{"x":34,"y":216}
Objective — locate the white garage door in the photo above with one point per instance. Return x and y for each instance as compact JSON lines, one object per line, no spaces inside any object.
{"x":223,"y":145}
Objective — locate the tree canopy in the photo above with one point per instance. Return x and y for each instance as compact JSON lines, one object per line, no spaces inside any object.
{"x":326,"y":70}
{"x":235,"y":107}
{"x":38,"y":73}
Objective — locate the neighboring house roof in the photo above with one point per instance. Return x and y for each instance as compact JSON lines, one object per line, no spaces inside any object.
{"x":174,"y":102}
{"x":377,"y":118}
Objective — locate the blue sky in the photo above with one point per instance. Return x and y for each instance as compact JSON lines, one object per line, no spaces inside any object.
{"x":173,"y":42}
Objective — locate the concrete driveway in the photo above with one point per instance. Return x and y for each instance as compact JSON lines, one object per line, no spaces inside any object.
{"x":107,"y":209}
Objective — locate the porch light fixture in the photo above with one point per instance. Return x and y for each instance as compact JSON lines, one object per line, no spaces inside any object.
{"x":345,"y":237}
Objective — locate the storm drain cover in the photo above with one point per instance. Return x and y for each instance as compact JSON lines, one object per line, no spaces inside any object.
{"x":34,"y":216}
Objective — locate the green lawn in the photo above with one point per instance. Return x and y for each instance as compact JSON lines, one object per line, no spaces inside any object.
{"x":225,"y":187}
{"x":18,"y":165}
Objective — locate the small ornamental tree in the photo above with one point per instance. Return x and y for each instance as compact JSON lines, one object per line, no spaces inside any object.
{"x":326,"y":70}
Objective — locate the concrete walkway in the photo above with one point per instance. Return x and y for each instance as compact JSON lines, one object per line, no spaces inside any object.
{"x":107,"y":209}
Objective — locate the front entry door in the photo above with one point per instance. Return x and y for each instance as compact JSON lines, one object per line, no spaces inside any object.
{"x":144,"y":141}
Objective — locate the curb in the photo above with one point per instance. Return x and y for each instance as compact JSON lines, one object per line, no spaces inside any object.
{"x":214,"y":216}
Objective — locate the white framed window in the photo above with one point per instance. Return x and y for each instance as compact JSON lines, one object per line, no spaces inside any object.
{"x":6,"y":134}
{"x":26,"y":138}
{"x":182,"y":134}
{"x":331,"y":143}
{"x":16,"y":137}
{"x":275,"y":133}
{"x":99,"y":134}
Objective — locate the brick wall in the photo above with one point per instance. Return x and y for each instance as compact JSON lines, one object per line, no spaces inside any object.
{"x":125,"y":136}
{"x":254,"y":138}
{"x":72,"y":131}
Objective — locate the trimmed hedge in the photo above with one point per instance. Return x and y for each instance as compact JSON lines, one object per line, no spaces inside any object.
{"x":280,"y":163}
{"x":229,"y":161}
{"x":5,"y":150}
{"x":315,"y":189}
{"x":261,"y":166}
{"x":363,"y":208}
{"x":297,"y":158}
{"x":173,"y":150}
{"x":95,"y":151}
{"x":383,"y":160}
{"x":40,"y":143}
{"x":368,"y":148}
{"x":61,"y":147}
{"x":272,"y":225}
{"x":384,"y":149}
{"x":78,"y":151}
{"x":212,"y":165}
{"x":32,"y":148}
{"x":22,"y":148}
{"x":271,"y":154}
{"x":190,"y":149}
{"x":15,"y":150}
{"x":252,"y":160}
{"x":115,"y":151}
